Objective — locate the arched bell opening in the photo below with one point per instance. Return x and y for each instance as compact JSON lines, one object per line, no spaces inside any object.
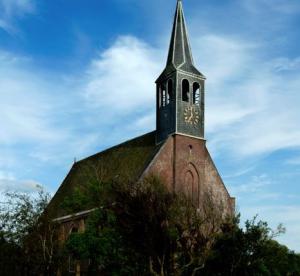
{"x":170,"y":91}
{"x":185,"y":90}
{"x":163,"y":93}
{"x":196,"y":93}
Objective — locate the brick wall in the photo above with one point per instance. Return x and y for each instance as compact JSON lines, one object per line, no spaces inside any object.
{"x":185,"y":165}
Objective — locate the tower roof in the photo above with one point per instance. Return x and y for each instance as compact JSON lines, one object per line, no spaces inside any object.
{"x":180,"y":54}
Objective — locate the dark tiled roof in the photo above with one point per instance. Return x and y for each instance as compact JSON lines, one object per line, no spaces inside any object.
{"x":124,"y":162}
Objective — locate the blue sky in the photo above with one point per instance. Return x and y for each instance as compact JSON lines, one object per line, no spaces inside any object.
{"x":78,"y":76}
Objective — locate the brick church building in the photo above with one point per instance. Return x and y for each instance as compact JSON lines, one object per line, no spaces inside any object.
{"x":175,"y":152}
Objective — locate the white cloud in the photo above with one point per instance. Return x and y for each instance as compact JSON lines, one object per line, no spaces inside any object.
{"x":279,"y":6}
{"x":257,"y":185}
{"x":6,"y":175}
{"x":19,"y":7}
{"x":240,"y":172}
{"x":293,"y":161}
{"x":39,"y":122}
{"x":10,"y":10}
{"x":248,"y":111}
{"x":286,"y":64}
{"x":251,"y":103}
{"x":222,"y":56}
{"x":121,"y":79}
{"x":8,"y":185}
{"x":261,"y":187}
{"x":43,"y":122}
{"x":243,"y":96}
{"x":25,"y":105}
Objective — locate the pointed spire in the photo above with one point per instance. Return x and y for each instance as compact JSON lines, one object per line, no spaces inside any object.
{"x":179,"y":51}
{"x":180,"y":54}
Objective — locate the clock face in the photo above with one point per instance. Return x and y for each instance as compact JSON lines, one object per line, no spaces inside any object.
{"x":191,"y":116}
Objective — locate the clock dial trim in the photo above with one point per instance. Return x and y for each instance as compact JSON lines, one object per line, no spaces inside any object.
{"x":191,"y":116}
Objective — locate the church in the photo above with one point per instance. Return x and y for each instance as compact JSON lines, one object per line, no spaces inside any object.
{"x":175,"y":152}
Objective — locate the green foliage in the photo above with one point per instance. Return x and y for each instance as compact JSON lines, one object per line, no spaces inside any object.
{"x":250,"y":251}
{"x":143,"y":229}
{"x":102,"y":242}
{"x":139,"y":228}
{"x":27,"y":234}
{"x":162,"y":232}
{"x":20,"y":214}
{"x":10,"y":254}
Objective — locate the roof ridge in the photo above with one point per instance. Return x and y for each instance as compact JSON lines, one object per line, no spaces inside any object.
{"x":115,"y":146}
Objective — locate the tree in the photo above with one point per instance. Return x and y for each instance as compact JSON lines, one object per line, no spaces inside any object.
{"x":27,"y":229}
{"x":250,"y":251}
{"x":141,"y":228}
{"x":10,"y":254}
{"x":162,"y":232}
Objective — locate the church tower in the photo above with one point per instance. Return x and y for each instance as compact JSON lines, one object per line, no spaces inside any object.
{"x":180,"y":88}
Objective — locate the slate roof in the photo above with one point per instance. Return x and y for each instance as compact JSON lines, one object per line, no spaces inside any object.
{"x":124,"y":162}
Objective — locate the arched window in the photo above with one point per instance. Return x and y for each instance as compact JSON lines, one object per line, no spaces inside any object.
{"x":185,"y":90}
{"x":163,"y":95}
{"x":196,"y":93}
{"x":170,"y":91}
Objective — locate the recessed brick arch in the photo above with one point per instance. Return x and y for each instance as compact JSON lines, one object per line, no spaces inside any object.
{"x":190,"y":182}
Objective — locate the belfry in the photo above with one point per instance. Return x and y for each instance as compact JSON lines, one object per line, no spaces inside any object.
{"x":180,"y":87}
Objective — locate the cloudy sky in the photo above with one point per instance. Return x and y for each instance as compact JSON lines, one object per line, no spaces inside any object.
{"x":78,"y":76}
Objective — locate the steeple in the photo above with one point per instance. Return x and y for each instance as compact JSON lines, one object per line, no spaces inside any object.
{"x":180,"y":54}
{"x":180,"y":87}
